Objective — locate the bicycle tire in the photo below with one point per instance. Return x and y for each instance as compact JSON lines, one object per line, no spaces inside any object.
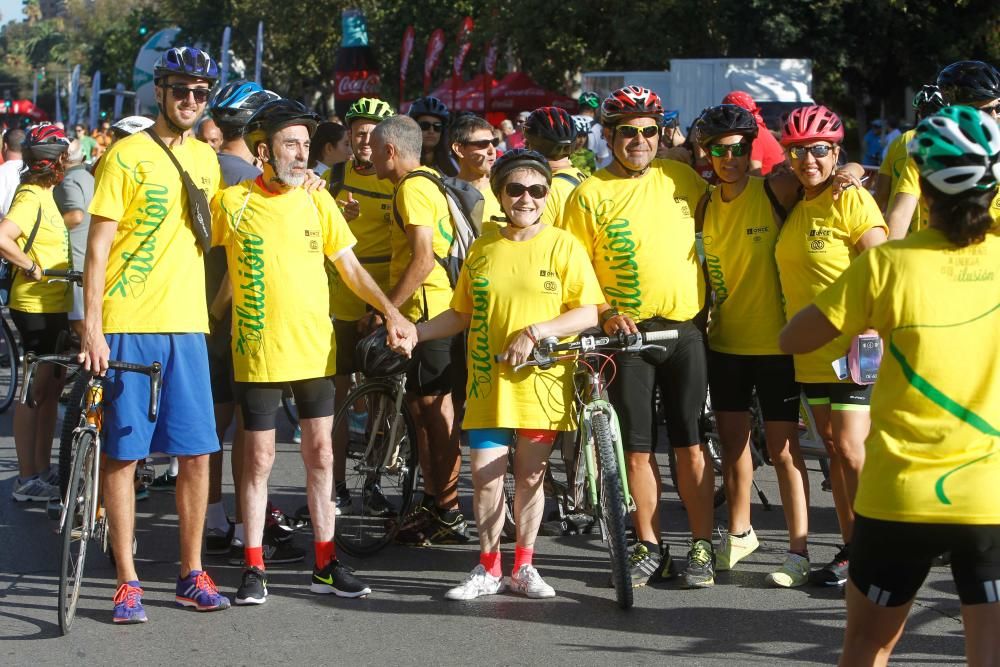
{"x":71,"y":419}
{"x":10,"y":362}
{"x":509,"y":523}
{"x":363,"y":529}
{"x":77,"y":530}
{"x":613,"y":510}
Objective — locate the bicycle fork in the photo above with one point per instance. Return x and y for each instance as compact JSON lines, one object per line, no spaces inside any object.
{"x":601,"y":405}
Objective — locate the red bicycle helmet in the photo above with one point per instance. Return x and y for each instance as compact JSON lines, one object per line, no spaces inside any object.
{"x":812,"y":123}
{"x":551,"y":132}
{"x":741,"y":99}
{"x":630,"y":102}
{"x":42,"y":146}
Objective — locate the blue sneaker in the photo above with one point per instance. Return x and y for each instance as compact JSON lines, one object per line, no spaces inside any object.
{"x":198,"y":590}
{"x":297,"y":435}
{"x":128,"y":604}
{"x":356,"y":423}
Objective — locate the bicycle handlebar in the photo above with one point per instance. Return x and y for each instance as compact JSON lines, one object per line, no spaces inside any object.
{"x":619,"y":342}
{"x":69,"y":275}
{"x":153,"y":371}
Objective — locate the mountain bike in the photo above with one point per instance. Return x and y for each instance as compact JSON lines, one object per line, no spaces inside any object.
{"x":10,"y":358}
{"x":381,"y":464}
{"x":82,"y":517}
{"x":601,"y":456}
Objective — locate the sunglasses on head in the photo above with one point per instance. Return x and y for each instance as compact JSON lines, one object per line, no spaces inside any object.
{"x":536,"y":191}
{"x":482,"y":144}
{"x":632,"y":131}
{"x":426,"y":125}
{"x":181,"y":92}
{"x":818,"y":151}
{"x":738,"y":149}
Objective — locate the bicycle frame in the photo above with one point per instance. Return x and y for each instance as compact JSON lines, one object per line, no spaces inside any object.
{"x":91,"y":420}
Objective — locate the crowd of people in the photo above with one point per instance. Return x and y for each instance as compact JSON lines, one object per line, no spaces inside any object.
{"x":323,"y":232}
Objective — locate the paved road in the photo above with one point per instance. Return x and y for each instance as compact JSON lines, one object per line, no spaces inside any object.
{"x":407,"y":621}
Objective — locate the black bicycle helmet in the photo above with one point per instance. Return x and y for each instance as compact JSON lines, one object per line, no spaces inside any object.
{"x":551,"y":132}
{"x":186,"y":61}
{"x":718,"y":121}
{"x":928,"y":100}
{"x":275,"y":116}
{"x":374,"y":357}
{"x":518,"y":158}
{"x":969,"y":81}
{"x":237,"y":101}
{"x":429,"y":106}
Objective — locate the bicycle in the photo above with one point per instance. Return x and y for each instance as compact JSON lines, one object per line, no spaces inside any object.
{"x":82,"y":517}
{"x":10,"y":358}
{"x":381,"y":464}
{"x":601,"y":456}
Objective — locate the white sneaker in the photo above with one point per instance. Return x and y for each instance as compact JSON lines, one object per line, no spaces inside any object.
{"x":478,"y":583}
{"x":527,"y":581}
{"x":793,"y":573}
{"x":35,"y":489}
{"x":734,"y":549}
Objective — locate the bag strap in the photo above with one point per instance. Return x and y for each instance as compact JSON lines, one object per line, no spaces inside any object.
{"x":338,"y":176}
{"x":188,"y":184}
{"x":568,"y":178}
{"x":773,"y":198}
{"x":170,"y":154}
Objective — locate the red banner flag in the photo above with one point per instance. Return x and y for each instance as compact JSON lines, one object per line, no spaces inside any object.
{"x":463,"y":51}
{"x":435,"y":47}
{"x":490,"y":62}
{"x":405,"y":51}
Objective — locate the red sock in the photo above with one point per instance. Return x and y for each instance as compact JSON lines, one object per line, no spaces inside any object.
{"x":324,"y":554}
{"x":491,"y":561}
{"x":254,"y":557}
{"x":522,"y":556}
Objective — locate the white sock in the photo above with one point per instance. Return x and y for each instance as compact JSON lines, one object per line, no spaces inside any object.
{"x":216,"y":518}
{"x":238,"y":534}
{"x":174,"y":466}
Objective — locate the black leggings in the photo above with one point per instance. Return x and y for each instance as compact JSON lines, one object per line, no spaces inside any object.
{"x":260,"y":401}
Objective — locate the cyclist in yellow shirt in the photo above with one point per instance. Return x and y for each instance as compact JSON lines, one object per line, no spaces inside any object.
{"x":38,"y":307}
{"x":277,"y":238}
{"x":636,"y":221}
{"x":816,"y":244}
{"x":473,"y":144}
{"x":929,"y":484}
{"x":552,"y":132}
{"x":528,"y":282}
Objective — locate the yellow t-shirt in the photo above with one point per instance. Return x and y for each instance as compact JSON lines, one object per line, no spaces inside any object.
{"x":639,"y":233}
{"x":739,"y":238}
{"x":156,"y":275}
{"x":559,"y":193}
{"x":507,"y":285}
{"x":276,"y":245}
{"x":419,"y":202}
{"x":933,"y":452}
{"x":909,"y":183}
{"x":493,"y":215}
{"x":50,"y":250}
{"x":816,"y":245}
{"x":371,"y":228}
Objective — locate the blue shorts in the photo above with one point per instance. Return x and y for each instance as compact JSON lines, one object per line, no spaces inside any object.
{"x":185,"y":425}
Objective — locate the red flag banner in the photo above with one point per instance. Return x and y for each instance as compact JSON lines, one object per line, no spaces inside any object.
{"x":435,"y":47}
{"x":463,"y":51}
{"x":490,"y":62}
{"x":465,"y":30}
{"x":405,"y":51}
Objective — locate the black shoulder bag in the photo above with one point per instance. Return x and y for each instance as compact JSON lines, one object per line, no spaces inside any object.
{"x":199,"y":214}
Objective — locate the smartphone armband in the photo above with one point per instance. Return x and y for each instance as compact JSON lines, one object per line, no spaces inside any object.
{"x":864,"y":358}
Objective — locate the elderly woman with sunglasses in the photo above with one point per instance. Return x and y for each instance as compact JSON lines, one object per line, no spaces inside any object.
{"x":528,"y":282}
{"x":818,"y":241}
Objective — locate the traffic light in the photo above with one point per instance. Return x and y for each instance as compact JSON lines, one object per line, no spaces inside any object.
{"x":143,"y":29}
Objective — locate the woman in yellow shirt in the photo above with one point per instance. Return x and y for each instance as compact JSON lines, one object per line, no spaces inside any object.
{"x":530,"y":281}
{"x":817,"y":243}
{"x":929,"y":484}
{"x":38,"y":308}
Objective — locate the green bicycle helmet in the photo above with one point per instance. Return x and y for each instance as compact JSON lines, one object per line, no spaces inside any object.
{"x":369,"y":108}
{"x":589,"y":100}
{"x":958,"y":150}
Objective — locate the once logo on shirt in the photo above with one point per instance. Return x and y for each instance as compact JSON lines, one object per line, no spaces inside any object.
{"x":685,"y":207}
{"x":140,"y":262}
{"x":481,"y":366}
{"x":313,"y":237}
{"x":550,"y":286}
{"x":625,"y":294}
{"x":250,"y":310}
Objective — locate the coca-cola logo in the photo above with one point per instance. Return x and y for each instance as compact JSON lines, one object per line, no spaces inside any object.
{"x":357,"y":84}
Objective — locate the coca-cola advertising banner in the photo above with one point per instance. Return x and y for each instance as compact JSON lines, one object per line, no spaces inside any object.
{"x":435,"y":47}
{"x":355,"y":72}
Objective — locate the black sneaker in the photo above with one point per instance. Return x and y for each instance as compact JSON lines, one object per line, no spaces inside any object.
{"x":833,"y":573}
{"x":279,"y":549}
{"x":445,"y":531}
{"x":376,"y":504}
{"x":700,"y":570}
{"x":217,"y":541}
{"x":253,"y":590}
{"x":642,"y":565}
{"x":415,"y":527}
{"x":343,"y":501}
{"x":338,"y":579}
{"x":165,"y":482}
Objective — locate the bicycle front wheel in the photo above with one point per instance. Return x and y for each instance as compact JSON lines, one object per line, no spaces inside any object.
{"x":381,"y":471}
{"x":613,"y":510}
{"x":10,"y":361}
{"x":78,"y":528}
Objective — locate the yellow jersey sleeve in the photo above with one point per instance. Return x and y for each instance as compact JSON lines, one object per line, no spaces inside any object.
{"x":337,"y":236}
{"x":849,"y":302}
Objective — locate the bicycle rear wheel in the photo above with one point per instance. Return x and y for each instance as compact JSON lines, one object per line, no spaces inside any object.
{"x":381,"y":471}
{"x":10,"y":361}
{"x":509,"y":523}
{"x":613,"y":511}
{"x":78,"y":529}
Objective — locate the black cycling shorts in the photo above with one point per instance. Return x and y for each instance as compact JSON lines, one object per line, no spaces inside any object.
{"x":346,"y":336}
{"x":260,"y":401}
{"x":838,"y":395}
{"x":889,"y":560}
{"x":732,"y":379}
{"x":682,"y":376}
{"x":433,"y":369}
{"x":220,"y":367}
{"x":41,"y":333}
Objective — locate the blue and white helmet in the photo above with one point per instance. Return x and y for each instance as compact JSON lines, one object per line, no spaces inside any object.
{"x":237,"y":101}
{"x":583,"y":124}
{"x":186,"y":61}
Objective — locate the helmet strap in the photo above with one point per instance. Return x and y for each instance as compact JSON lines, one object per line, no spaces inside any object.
{"x":171,"y":125}
{"x":629,"y":170}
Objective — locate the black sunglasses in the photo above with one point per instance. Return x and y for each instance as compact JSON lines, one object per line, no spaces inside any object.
{"x":632,"y":131}
{"x":481,"y":144}
{"x":818,"y":151}
{"x":426,"y":125}
{"x":536,"y":191}
{"x":181,"y":92}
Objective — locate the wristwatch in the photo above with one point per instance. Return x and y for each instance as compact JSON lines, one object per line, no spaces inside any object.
{"x":608,"y":314}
